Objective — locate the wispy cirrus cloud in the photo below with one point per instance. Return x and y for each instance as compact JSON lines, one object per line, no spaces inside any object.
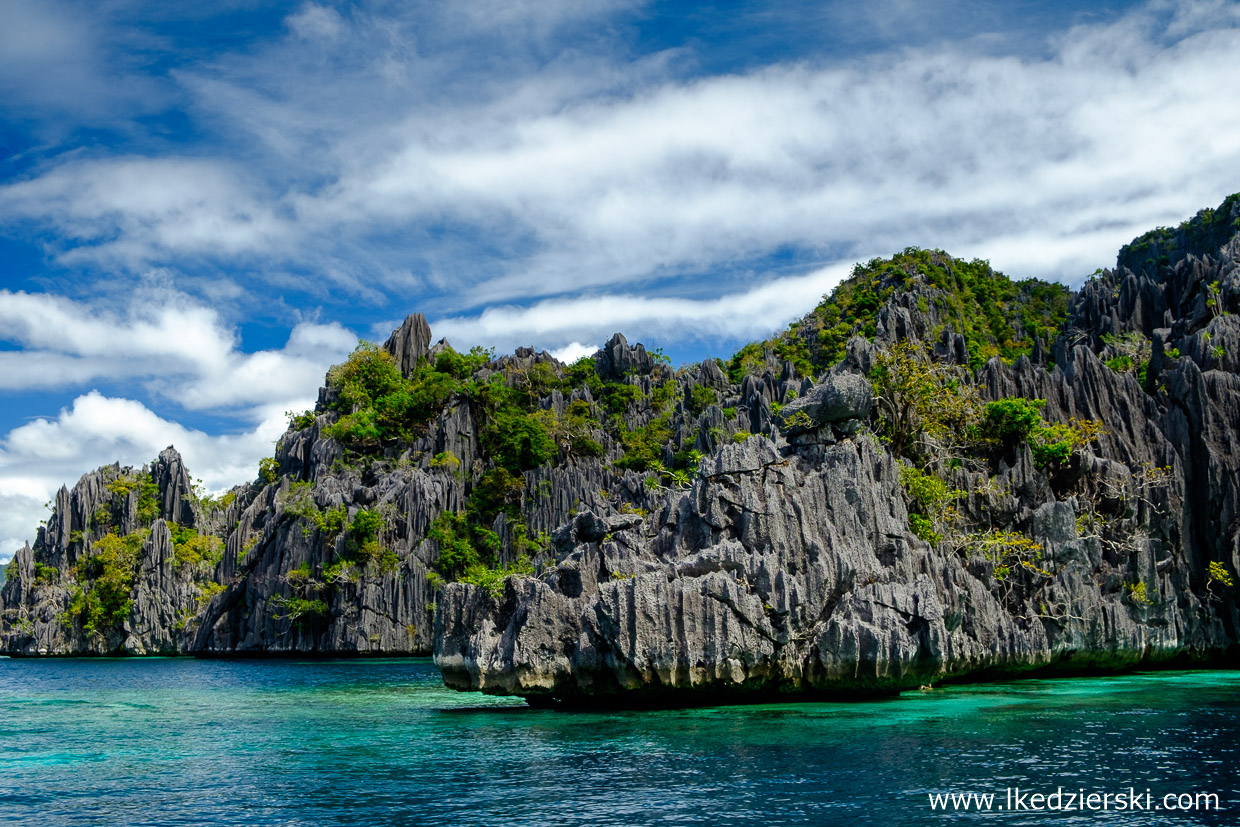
{"x":1042,"y":164}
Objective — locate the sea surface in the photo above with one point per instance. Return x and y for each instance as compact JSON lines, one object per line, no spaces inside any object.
{"x":180,"y":741}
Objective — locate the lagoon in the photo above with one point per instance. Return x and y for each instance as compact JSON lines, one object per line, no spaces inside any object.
{"x":198,"y":742}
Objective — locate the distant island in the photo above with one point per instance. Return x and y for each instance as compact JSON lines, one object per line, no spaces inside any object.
{"x":939,"y":473}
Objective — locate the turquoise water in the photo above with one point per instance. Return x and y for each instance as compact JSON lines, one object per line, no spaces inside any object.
{"x":179,"y":742}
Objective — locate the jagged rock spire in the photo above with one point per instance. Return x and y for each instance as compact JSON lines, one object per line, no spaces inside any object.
{"x":410,"y":342}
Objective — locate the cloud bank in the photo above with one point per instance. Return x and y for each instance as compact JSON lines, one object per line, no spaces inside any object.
{"x":563,"y":178}
{"x":182,"y":353}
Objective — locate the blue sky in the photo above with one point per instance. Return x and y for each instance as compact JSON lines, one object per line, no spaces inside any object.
{"x":204,"y":205}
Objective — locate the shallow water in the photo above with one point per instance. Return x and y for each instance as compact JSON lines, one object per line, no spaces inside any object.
{"x":170,"y":742}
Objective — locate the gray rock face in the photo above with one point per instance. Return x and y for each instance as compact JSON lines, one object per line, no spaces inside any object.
{"x":47,"y":600}
{"x":789,"y":568}
{"x":410,"y":343}
{"x":760,"y":546}
{"x":837,"y":398}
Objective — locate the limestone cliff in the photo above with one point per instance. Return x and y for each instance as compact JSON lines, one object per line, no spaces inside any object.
{"x":858,"y":549}
{"x":123,"y":565}
{"x":937,"y":473}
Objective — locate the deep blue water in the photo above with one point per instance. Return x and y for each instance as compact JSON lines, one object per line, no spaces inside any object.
{"x":155,"y":742}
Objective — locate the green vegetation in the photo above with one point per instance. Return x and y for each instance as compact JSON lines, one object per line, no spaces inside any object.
{"x":210,"y":503}
{"x":463,"y":544}
{"x":300,"y":421}
{"x":700,"y":398}
{"x":191,"y":549}
{"x":362,"y":541}
{"x":930,"y":503}
{"x":268,"y":470}
{"x":996,"y":315}
{"x":299,"y":502}
{"x":102,"y":597}
{"x":446,"y":460}
{"x":928,"y":411}
{"x":926,"y":408}
{"x":1138,"y":594}
{"x":1052,"y":444}
{"x":1008,"y":421}
{"x":377,"y":405}
{"x":643,"y":446}
{"x":45,"y":575}
{"x":468,"y":551}
{"x":1216,"y":572}
{"x":1203,"y":234}
{"x":492,"y":579}
{"x":298,"y":608}
{"x":208,"y":590}
{"x":148,"y":495}
{"x":1007,"y":550}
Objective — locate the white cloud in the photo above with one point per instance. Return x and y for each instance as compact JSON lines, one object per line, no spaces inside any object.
{"x":138,"y":210}
{"x":185,"y":355}
{"x":40,"y":456}
{"x":535,"y":191}
{"x":57,"y":59}
{"x":560,"y":325}
{"x":183,"y":350}
{"x":573,"y":351}
{"x":19,"y":519}
{"x":313,"y":21}
{"x":562,"y":179}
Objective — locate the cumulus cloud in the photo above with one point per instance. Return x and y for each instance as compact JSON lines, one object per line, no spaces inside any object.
{"x":182,"y":350}
{"x":187,"y":358}
{"x":40,"y":456}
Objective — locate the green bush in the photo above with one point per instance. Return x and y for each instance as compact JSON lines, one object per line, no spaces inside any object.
{"x":498,"y":492}
{"x":923,"y":527}
{"x":148,"y":495}
{"x":189,"y":548}
{"x":462,"y":365}
{"x":750,"y":359}
{"x":701,"y":397}
{"x":268,"y":470}
{"x":492,"y":579}
{"x":457,"y":549}
{"x":45,"y":575}
{"x":297,"y":608}
{"x":1011,"y":420}
{"x":1052,"y":444}
{"x":300,"y":421}
{"x":362,"y":539}
{"x":103,"y":598}
{"x":518,"y":441}
{"x":643,"y":446}
{"x":583,"y":373}
{"x":616,"y":397}
{"x":377,"y":404}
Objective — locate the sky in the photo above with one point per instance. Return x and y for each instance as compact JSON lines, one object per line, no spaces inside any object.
{"x":205,"y":205}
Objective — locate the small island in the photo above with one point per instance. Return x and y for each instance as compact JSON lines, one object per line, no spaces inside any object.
{"x":938,"y":474}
